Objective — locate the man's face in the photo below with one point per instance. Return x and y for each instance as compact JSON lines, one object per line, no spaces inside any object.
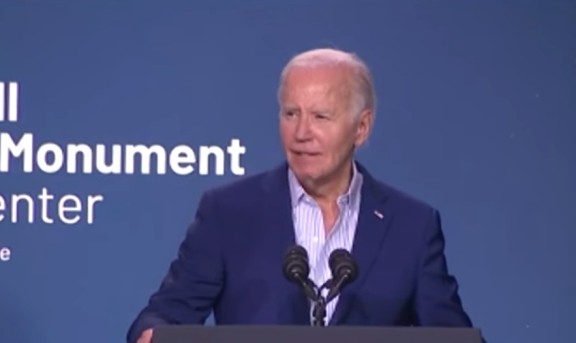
{"x":317,"y":129}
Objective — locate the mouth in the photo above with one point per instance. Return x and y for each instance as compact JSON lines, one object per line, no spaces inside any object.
{"x":305,"y":153}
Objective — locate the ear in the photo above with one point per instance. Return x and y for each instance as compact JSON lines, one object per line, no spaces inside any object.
{"x":363,"y":127}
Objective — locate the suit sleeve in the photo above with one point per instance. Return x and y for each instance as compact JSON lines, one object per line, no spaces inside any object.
{"x":194,"y":279}
{"x":437,"y":302}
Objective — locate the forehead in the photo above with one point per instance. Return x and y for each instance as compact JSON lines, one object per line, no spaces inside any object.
{"x":316,"y":81}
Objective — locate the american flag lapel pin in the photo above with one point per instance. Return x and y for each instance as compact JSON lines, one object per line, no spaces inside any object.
{"x":378,"y":214}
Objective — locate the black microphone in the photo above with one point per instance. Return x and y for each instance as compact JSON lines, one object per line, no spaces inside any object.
{"x":296,"y":269}
{"x":344,"y":271}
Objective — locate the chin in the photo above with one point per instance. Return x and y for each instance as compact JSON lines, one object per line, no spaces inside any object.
{"x":304,"y":173}
{"x":309,"y":168}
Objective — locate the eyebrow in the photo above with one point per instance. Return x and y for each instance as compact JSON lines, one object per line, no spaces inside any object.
{"x":322,"y":111}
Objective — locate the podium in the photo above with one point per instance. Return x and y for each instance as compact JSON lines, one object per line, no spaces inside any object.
{"x":312,"y":334}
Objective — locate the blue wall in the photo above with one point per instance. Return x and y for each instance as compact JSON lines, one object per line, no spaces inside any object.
{"x":477,"y":117}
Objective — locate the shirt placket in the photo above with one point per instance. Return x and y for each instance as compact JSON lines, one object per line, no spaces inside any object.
{"x":326,"y":248}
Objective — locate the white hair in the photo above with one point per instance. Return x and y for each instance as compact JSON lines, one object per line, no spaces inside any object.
{"x":362,"y":90}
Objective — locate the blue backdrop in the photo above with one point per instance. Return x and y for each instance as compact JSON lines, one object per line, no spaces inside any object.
{"x":477,"y":108}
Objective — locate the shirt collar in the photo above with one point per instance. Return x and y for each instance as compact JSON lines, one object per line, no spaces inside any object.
{"x":352,"y":195}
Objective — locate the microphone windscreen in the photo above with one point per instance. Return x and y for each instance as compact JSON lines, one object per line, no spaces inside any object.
{"x":296,"y":265}
{"x":342,"y":263}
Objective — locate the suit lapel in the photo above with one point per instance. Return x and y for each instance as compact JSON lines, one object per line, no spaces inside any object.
{"x":278,"y":224}
{"x":373,"y":223}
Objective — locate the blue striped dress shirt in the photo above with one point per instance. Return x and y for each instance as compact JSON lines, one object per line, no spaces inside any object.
{"x":310,"y":233}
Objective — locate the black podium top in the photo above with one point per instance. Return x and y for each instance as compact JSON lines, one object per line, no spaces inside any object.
{"x":310,"y":334}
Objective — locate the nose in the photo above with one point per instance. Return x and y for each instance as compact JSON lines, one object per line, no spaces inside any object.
{"x":302,"y":132}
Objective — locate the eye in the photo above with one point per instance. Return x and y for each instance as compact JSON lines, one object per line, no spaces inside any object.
{"x":320,"y":116}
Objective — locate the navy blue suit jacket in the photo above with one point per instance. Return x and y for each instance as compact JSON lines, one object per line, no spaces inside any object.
{"x":231,"y":262}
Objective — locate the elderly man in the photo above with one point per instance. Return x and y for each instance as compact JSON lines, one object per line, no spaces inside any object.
{"x":322,"y":199}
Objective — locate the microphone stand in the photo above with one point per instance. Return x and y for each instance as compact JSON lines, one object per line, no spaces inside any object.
{"x":319,"y":309}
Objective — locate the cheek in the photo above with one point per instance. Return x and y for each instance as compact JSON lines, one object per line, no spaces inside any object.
{"x":285,"y":133}
{"x":325,"y":133}
{"x":337,"y":143}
